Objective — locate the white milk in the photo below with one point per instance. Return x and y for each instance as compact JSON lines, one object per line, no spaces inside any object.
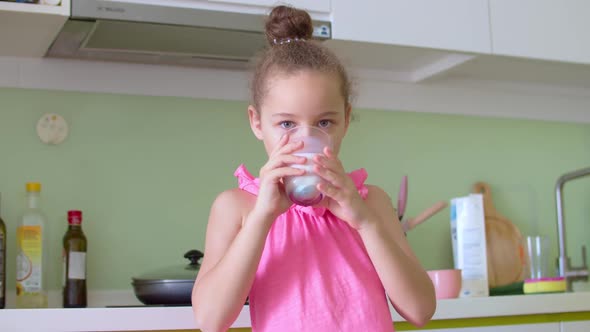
{"x":310,"y":178}
{"x":304,"y":185}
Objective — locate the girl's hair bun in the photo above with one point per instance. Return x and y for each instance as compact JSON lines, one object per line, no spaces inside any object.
{"x":288,"y":23}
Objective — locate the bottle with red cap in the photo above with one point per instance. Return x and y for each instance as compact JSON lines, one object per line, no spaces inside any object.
{"x":74,"y":256}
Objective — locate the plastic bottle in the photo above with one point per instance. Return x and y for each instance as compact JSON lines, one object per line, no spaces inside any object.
{"x":31,"y":259}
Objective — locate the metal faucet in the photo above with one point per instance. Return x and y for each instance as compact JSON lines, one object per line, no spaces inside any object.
{"x":570,"y":273}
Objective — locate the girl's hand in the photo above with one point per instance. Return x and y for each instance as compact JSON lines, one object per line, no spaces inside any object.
{"x":343,"y":198}
{"x":272,"y":200}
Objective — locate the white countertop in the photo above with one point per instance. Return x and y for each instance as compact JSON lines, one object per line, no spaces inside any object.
{"x":178,"y":318}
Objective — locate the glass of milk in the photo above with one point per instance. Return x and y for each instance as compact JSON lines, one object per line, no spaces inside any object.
{"x":302,"y":190}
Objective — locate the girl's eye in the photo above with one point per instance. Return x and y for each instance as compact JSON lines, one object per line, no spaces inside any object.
{"x":324,"y":123}
{"x":287,"y":124}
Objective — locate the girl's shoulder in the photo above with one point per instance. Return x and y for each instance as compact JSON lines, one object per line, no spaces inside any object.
{"x":234,"y":204}
{"x":379,"y":200}
{"x":226,"y":217}
{"x":376,"y":191}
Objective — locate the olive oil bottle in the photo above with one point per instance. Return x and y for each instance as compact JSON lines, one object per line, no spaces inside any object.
{"x":74,"y":256}
{"x":2,"y":260}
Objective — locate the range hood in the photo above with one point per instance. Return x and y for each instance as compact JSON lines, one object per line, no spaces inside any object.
{"x":163,"y":32}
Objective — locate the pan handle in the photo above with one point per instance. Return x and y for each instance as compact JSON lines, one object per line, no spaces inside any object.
{"x":194,"y":256}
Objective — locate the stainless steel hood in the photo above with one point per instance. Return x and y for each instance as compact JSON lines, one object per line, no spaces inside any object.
{"x":152,"y":32}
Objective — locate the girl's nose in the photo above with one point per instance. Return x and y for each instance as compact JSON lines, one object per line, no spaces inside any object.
{"x":306,"y":130}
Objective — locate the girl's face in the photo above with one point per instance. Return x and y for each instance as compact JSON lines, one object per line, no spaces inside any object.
{"x":305,"y":98}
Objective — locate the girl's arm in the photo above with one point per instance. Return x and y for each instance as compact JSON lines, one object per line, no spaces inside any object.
{"x":407,"y":284}
{"x":234,"y":243}
{"x":238,"y":225}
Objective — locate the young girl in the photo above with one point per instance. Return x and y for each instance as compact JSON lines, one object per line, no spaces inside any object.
{"x":328,"y":267}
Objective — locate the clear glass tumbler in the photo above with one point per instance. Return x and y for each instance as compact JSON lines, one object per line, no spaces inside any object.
{"x":302,"y":190}
{"x":537,"y":247}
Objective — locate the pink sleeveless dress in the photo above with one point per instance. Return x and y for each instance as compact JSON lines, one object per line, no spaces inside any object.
{"x":315,"y":274}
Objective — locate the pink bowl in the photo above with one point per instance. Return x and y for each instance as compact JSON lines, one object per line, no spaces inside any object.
{"x":447,"y":283}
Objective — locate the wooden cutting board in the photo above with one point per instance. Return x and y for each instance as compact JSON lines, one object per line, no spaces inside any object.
{"x":505,"y":251}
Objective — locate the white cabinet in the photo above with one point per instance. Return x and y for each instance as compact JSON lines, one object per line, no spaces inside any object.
{"x":541,"y":29}
{"x":579,"y":326}
{"x":320,"y":6}
{"x":461,"y":25}
{"x":29,"y":29}
{"x":545,"y":327}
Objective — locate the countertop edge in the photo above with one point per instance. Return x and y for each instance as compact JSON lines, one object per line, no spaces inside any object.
{"x":181,"y":318}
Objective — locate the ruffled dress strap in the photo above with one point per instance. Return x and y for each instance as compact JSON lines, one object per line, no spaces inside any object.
{"x":359,"y":177}
{"x":246,"y":181}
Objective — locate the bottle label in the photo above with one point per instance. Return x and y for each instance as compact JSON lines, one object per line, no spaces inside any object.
{"x":63,"y":265}
{"x":29,"y":260}
{"x":77,"y":265}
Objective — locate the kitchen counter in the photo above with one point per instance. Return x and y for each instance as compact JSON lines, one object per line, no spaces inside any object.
{"x":181,"y":318}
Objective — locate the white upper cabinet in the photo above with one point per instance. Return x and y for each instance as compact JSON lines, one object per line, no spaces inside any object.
{"x":461,"y":25}
{"x":542,"y":29}
{"x":318,"y":6}
{"x":29,"y":29}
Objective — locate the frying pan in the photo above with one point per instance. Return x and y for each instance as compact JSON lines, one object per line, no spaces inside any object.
{"x":171,"y":285}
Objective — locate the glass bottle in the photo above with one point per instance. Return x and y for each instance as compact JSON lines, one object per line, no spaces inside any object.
{"x":2,"y":261}
{"x":31,"y":258}
{"x":74,"y":256}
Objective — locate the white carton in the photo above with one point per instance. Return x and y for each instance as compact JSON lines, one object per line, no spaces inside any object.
{"x":468,"y":233}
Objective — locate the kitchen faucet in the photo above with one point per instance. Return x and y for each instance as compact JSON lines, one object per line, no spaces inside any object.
{"x":570,"y":273}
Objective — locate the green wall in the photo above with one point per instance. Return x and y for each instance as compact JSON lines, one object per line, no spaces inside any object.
{"x":145,"y":170}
